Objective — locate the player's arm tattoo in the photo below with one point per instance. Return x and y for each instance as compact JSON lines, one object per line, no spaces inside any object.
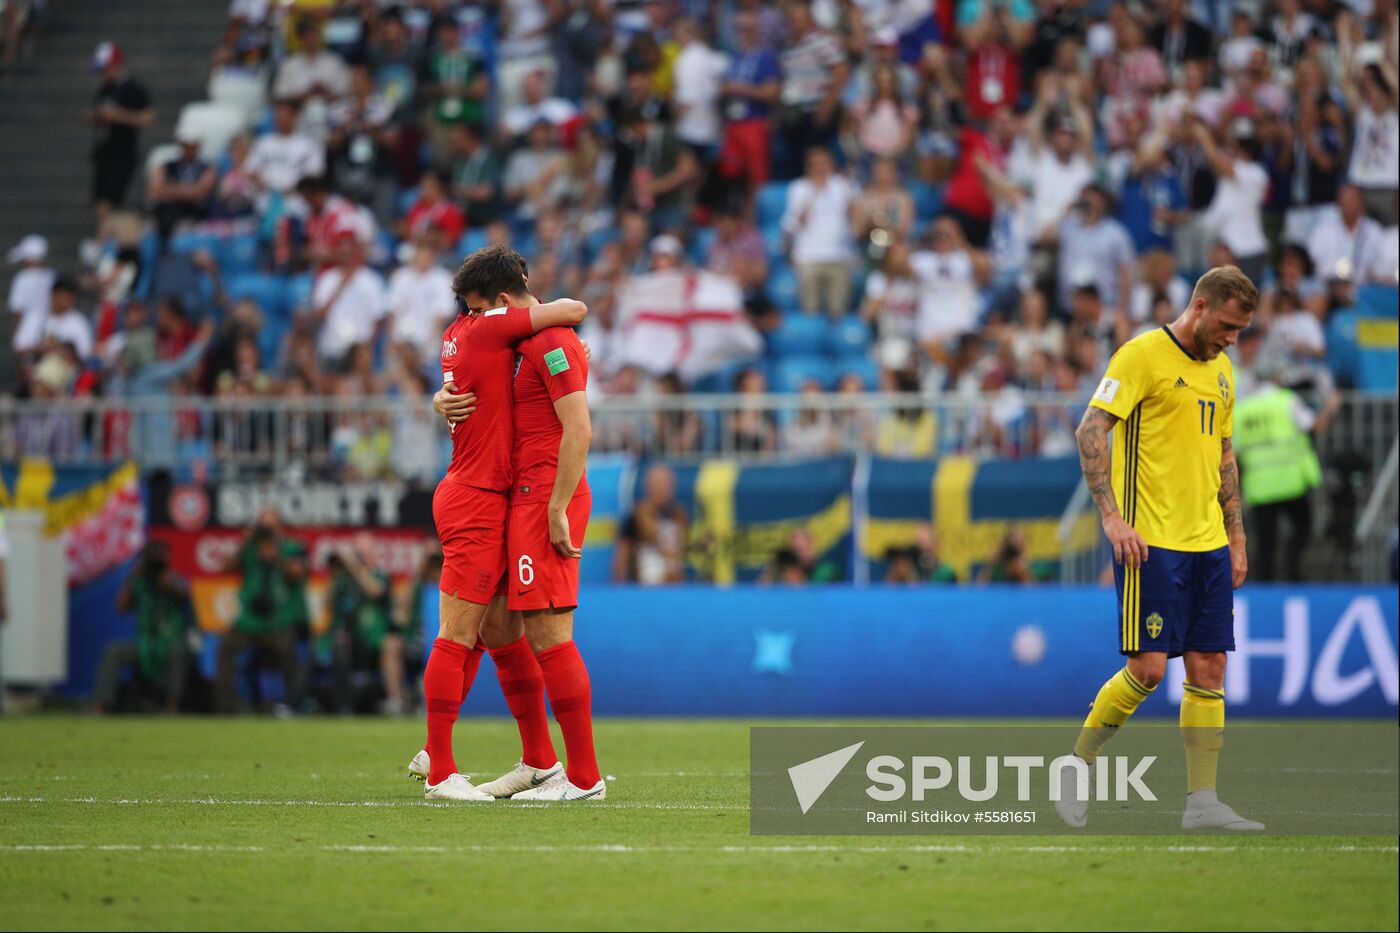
{"x":1092,"y":437}
{"x":1229,"y":494}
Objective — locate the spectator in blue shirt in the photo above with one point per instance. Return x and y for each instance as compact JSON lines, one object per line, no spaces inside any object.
{"x":750,"y":89}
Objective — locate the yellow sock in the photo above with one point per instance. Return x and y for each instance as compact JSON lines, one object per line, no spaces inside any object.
{"x":1203,"y":733}
{"x":1115,"y":703}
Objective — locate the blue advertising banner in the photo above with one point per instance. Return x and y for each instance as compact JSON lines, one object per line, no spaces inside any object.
{"x":931,"y":651}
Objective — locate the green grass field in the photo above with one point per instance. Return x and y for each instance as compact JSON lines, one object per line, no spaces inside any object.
{"x":202,"y":823}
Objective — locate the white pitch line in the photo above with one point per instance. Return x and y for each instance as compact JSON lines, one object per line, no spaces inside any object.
{"x":999,"y":850}
{"x":259,"y":802}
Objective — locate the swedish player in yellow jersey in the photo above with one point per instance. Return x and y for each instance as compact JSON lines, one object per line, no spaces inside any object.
{"x":1167,"y":487}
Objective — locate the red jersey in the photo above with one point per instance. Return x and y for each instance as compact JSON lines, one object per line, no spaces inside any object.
{"x":549,"y":366}
{"x":477,"y":354}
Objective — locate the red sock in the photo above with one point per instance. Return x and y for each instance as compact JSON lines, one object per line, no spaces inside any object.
{"x":571,"y":698}
{"x":523,"y":684}
{"x":469,"y":669}
{"x":443,"y":694}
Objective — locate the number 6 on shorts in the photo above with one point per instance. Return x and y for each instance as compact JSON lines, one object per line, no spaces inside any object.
{"x":525,"y":570}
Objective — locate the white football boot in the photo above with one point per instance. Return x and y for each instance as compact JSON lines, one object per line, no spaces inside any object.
{"x":420,"y":765}
{"x":520,"y":778}
{"x":1072,"y":810}
{"x":559,"y":788}
{"x":455,"y":787}
{"x":1205,"y":811}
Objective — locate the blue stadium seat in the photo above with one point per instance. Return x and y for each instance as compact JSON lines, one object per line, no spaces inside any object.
{"x":593,"y":243}
{"x":150,"y":251}
{"x":849,"y":336}
{"x":296,"y":291}
{"x":771,"y":202}
{"x":799,"y":335}
{"x":722,"y":379}
{"x":188,"y":241}
{"x":863,"y":366}
{"x":701,"y":240}
{"x":782,"y":286}
{"x":473,"y":240}
{"x":404,"y":200}
{"x":773,"y":245}
{"x":791,"y":373}
{"x":266,"y":290}
{"x":928,"y":200}
{"x":238,"y":253}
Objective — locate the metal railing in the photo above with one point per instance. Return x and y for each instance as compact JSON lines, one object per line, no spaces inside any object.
{"x":360,"y":438}
{"x":402,"y":435}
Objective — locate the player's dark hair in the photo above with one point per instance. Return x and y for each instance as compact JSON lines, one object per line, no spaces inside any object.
{"x":491,"y":271}
{"x":1223,"y":284}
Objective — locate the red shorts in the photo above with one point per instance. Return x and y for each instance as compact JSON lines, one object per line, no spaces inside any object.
{"x":471,"y":523}
{"x":539,"y":576}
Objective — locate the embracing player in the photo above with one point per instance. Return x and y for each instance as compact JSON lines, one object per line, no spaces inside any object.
{"x":1169,"y":498}
{"x":471,"y":503}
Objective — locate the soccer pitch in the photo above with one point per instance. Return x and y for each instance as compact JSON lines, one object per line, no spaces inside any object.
{"x":251,"y":823}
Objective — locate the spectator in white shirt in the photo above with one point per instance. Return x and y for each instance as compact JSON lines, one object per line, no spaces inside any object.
{"x":29,"y":291}
{"x":311,"y":71}
{"x":1057,"y":162}
{"x":284,"y":157}
{"x":420,"y":303}
{"x":347,"y":301}
{"x":1159,"y":280}
{"x":1096,"y":249}
{"x":66,"y":325}
{"x":950,"y":275}
{"x":1236,"y":212}
{"x":1385,"y":267}
{"x":1375,"y":154}
{"x":699,"y":75}
{"x":1346,"y":244}
{"x":818,"y":224}
{"x":536,"y":106}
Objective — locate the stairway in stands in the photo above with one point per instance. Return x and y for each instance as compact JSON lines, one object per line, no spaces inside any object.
{"x":45,"y":175}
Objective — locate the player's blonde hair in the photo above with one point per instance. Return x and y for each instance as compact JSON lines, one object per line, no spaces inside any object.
{"x":1224,"y":283}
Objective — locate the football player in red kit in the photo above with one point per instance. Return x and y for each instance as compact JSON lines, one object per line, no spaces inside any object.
{"x":532,"y":644}
{"x":470,"y":505}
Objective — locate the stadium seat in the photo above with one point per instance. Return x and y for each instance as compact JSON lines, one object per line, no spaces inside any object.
{"x":296,"y":292}
{"x":862,"y":366}
{"x":403,"y":201}
{"x":782,"y":287}
{"x":799,"y":335}
{"x":771,"y":203}
{"x":593,"y":243}
{"x":701,"y":241}
{"x":237,"y":253}
{"x":267,"y":290}
{"x":473,"y":240}
{"x":773,"y":245}
{"x":214,"y":123}
{"x":722,"y":379}
{"x":189,"y":241}
{"x":928,"y":200}
{"x":849,"y":336}
{"x":236,"y":88}
{"x":791,"y":373}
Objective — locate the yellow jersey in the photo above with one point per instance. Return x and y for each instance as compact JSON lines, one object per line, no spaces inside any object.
{"x":1174,"y":411}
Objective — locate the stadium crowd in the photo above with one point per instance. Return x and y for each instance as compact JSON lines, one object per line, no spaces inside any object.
{"x":978,"y":198}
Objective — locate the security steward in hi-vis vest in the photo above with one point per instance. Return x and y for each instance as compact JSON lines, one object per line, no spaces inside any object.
{"x":1278,"y":472}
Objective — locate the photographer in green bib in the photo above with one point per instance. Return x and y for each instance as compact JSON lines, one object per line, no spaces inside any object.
{"x":363,"y":635}
{"x":272,"y":609}
{"x":1278,"y":472}
{"x":159,"y":656}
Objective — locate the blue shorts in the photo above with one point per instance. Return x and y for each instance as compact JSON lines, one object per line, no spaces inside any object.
{"x":1177,"y":601}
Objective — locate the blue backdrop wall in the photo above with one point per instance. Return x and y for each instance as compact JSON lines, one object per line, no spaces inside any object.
{"x":887,"y":651}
